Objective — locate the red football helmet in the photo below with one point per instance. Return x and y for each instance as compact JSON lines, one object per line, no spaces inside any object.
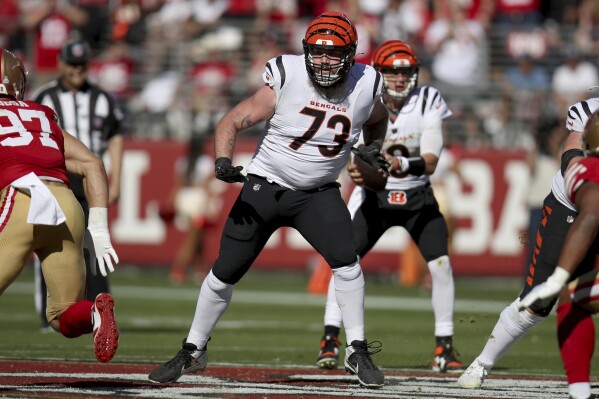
{"x":13,"y":74}
{"x":333,"y":34}
{"x":394,"y":57}
{"x":591,"y":135}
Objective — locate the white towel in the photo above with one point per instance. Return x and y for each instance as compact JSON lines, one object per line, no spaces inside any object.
{"x":44,"y":208}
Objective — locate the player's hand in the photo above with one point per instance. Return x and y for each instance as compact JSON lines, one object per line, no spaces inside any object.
{"x":228,"y":173}
{"x":354,"y":174}
{"x":371,"y":154}
{"x":100,"y":240}
{"x":546,"y":291}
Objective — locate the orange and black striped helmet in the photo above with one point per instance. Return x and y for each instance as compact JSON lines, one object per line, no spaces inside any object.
{"x":395,"y":56}
{"x":333,"y":34}
{"x":13,"y":75}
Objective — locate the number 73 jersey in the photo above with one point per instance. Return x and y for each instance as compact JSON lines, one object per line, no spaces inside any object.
{"x":308,"y":140}
{"x":30,"y":141}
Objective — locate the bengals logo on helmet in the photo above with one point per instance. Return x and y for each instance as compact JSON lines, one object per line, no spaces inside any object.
{"x":394,"y":57}
{"x":334,"y":35}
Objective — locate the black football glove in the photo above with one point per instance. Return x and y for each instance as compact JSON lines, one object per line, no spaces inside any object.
{"x":371,"y":154}
{"x":228,"y":173}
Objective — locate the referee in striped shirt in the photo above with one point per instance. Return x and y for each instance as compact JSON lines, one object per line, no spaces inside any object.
{"x":92,"y":115}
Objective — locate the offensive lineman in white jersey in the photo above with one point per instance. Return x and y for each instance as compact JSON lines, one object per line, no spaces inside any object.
{"x":413,"y":143}
{"x":559,"y":213}
{"x":316,"y":105}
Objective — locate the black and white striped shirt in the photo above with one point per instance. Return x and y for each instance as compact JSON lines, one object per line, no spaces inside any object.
{"x":90,"y":114}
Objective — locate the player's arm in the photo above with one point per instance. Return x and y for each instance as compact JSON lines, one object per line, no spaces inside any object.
{"x":244,"y":115}
{"x":375,"y":128}
{"x":431,"y":144}
{"x":374,"y":131}
{"x":81,"y":161}
{"x":115,"y":152}
{"x":583,"y":231}
{"x":573,"y":150}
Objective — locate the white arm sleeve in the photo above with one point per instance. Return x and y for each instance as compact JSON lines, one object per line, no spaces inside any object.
{"x":431,"y":141}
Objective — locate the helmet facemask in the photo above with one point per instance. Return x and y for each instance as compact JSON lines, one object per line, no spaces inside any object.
{"x":329,"y":71}
{"x":329,"y":48}
{"x":394,"y":58}
{"x":391,"y":74}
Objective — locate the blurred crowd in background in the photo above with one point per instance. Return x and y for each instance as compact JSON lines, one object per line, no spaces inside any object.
{"x":508,"y":69}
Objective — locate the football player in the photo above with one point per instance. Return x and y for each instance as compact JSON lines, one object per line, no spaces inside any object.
{"x":559,"y":212}
{"x":316,"y":106}
{"x":40,"y":214}
{"x":412,"y":145}
{"x":582,"y":186}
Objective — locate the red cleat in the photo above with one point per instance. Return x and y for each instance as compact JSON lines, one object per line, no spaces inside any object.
{"x":106,"y":334}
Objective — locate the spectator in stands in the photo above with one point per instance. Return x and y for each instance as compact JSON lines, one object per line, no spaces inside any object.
{"x":481,"y":11}
{"x":204,"y":16}
{"x":572,"y":79}
{"x":523,"y":12}
{"x":506,"y":131}
{"x":10,"y":16}
{"x":587,"y":35}
{"x":278,"y":12}
{"x":455,"y":45}
{"x":527,"y":83}
{"x":50,"y":23}
{"x":192,"y":200}
{"x":113,"y":70}
{"x":95,"y":26}
{"x":405,"y":20}
{"x":211,"y":82}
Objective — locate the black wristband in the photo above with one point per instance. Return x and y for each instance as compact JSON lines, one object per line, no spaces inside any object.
{"x":567,"y":157}
{"x":416,"y":166}
{"x":220,"y":161}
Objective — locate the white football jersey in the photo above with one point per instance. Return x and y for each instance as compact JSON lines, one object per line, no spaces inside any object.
{"x":577,"y":118}
{"x":424,"y":106}
{"x":308,"y":140}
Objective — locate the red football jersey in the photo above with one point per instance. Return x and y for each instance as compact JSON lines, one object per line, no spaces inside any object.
{"x":587,"y":169}
{"x":30,"y":141}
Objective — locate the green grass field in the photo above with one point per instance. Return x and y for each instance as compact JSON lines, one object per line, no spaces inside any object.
{"x":273,"y":321}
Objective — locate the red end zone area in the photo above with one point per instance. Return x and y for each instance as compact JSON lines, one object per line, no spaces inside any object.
{"x":54,"y":379}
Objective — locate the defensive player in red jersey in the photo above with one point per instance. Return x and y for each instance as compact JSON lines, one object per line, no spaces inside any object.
{"x":39,"y":213}
{"x":582,"y":187}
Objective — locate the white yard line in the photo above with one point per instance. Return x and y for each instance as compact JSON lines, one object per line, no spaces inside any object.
{"x":284,"y":298}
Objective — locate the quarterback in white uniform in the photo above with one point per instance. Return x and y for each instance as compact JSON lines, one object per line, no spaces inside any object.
{"x":558,"y":215}
{"x":315,"y":107}
{"x":413,"y":144}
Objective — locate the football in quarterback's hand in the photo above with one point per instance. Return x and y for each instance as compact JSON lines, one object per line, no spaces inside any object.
{"x":372,"y":178}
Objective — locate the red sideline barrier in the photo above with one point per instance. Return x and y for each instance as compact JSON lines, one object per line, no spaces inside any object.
{"x":487,"y":198}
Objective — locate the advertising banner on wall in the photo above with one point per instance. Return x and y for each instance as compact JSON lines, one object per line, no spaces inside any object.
{"x":483,"y":193}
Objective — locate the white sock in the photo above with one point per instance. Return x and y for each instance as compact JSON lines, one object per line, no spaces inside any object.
{"x":511,"y":326}
{"x":332,"y":312}
{"x":215,"y":297}
{"x":442,"y":296}
{"x":349,"y":290}
{"x":580,"y":390}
